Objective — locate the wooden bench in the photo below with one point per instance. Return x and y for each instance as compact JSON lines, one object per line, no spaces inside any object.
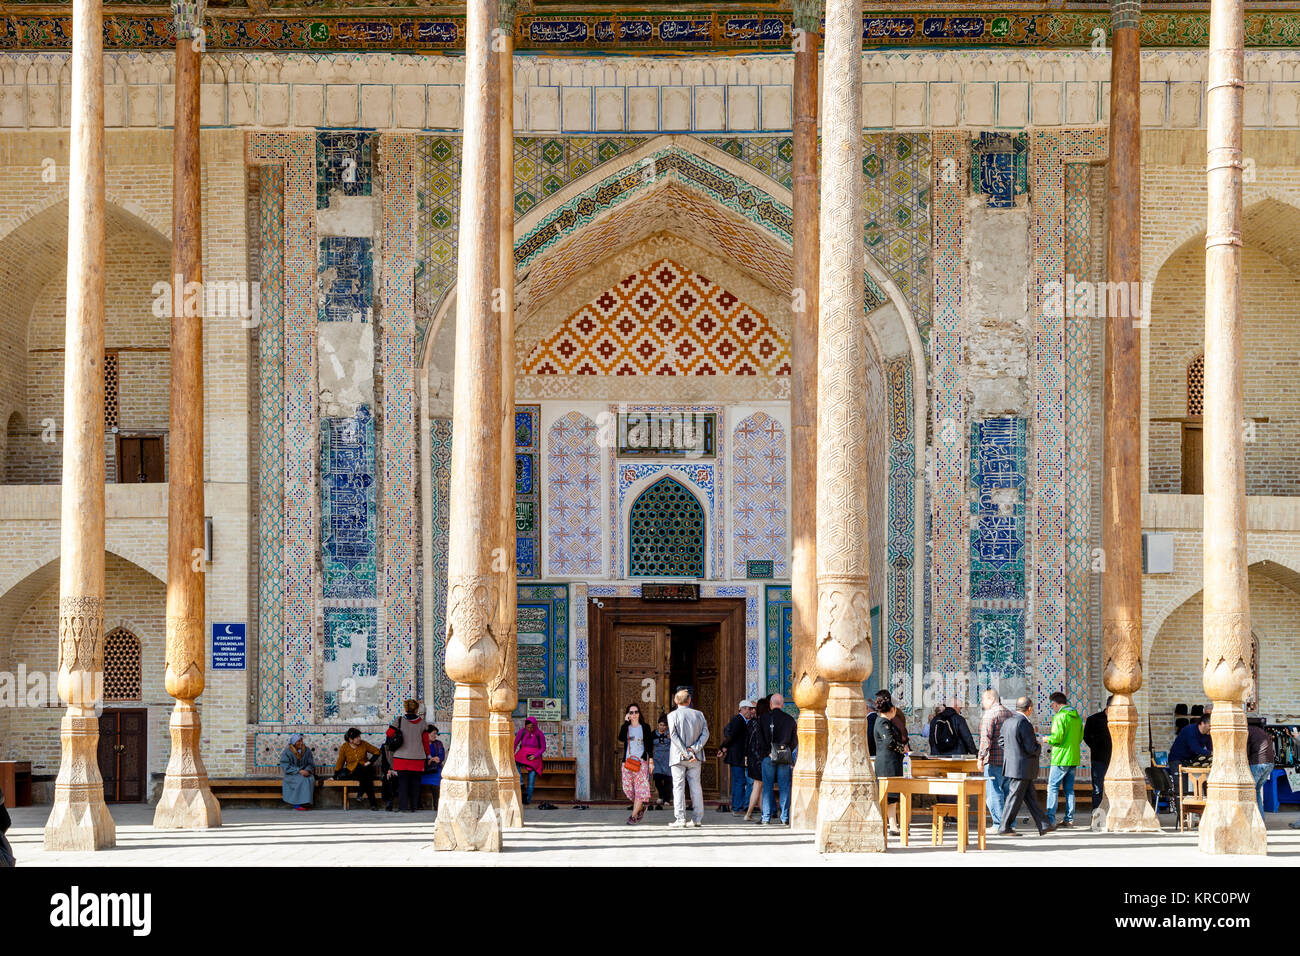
{"x":558,"y":780}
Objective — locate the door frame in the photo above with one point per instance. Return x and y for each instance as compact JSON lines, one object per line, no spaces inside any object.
{"x":603,"y":615}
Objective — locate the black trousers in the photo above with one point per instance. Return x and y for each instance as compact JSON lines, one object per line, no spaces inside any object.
{"x":364,"y":775}
{"x":389,"y":788}
{"x":1021,"y":790}
{"x":408,"y":789}
{"x":664,"y":785}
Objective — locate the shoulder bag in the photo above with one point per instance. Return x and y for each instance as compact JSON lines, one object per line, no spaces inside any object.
{"x":781,"y":754}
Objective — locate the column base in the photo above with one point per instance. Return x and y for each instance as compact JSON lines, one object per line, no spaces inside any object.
{"x":510,"y":797}
{"x":187,"y":802}
{"x":79,"y":818}
{"x":1125,"y":809}
{"x":808,"y":769}
{"x":848,"y":816}
{"x":1232,"y":827}
{"x":468,"y":819}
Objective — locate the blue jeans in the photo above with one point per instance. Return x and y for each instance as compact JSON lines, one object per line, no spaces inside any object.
{"x":1060,"y":777}
{"x":527,"y":777}
{"x":1261,"y":772}
{"x":995,"y":794}
{"x":739,"y":789}
{"x":782,"y":777}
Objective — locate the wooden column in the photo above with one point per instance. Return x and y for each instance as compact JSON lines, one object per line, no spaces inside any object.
{"x":809,"y":689}
{"x":468,"y":818}
{"x":1232,"y":822}
{"x":503,"y":689}
{"x":79,"y":819}
{"x":848,"y":817}
{"x":186,"y":801}
{"x":1125,"y":806}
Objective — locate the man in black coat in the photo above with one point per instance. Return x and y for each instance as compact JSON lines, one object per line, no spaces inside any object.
{"x":950,"y":734}
{"x":1096,"y":734}
{"x":732,"y":752}
{"x":778,"y":736}
{"x":1020,"y":750}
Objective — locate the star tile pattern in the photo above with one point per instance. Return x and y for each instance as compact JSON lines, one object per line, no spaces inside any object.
{"x":760,"y":519}
{"x":663,"y":320}
{"x":574,"y":536}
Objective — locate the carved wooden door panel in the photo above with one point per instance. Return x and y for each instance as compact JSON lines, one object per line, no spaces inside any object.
{"x":123,"y":736}
{"x":640,"y":674}
{"x":709,"y":702}
{"x":108,"y":753}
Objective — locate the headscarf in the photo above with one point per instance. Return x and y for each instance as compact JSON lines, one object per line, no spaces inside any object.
{"x":295,"y":739}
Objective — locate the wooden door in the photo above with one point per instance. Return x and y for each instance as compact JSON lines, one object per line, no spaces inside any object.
{"x":640,"y":671}
{"x":709,"y":702}
{"x":1192,"y":461}
{"x":123,"y":737}
{"x":139,"y":458}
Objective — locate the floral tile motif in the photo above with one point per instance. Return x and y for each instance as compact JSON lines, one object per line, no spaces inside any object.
{"x":345,"y":285}
{"x":343,"y":164}
{"x":347,"y":475}
{"x":528,"y":519}
{"x":543,"y":636}
{"x":440,"y":689}
{"x":779,"y":604}
{"x":898,"y":653}
{"x":998,"y":547}
{"x":664,"y":319}
{"x":352,"y":689}
{"x":760,"y":519}
{"x":574,"y":537}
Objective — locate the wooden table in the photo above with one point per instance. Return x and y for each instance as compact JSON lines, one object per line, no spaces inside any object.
{"x":931,"y":766}
{"x":964,"y":789}
{"x":16,"y":783}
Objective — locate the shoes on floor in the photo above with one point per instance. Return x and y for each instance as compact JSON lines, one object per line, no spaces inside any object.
{"x":677,"y":825}
{"x":631,"y":820}
{"x":1046,"y":830}
{"x":1067,"y":825}
{"x":737,"y":813}
{"x":695,"y":823}
{"x":1010,"y":833}
{"x":1294,"y":825}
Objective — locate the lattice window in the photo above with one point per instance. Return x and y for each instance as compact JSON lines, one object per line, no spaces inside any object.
{"x":110,"y":390}
{"x":121,"y":665}
{"x":1196,"y":386}
{"x":666,"y":532}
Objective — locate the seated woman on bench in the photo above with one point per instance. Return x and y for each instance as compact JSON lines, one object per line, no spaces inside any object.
{"x":356,"y":762}
{"x":299,"y":773}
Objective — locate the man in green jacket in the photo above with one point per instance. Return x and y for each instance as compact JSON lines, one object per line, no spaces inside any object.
{"x":1067,"y":733}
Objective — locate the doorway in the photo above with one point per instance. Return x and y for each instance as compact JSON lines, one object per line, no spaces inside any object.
{"x":123,"y":757}
{"x":641,"y":652}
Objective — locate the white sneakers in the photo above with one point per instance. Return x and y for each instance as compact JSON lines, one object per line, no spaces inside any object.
{"x":683,"y":824}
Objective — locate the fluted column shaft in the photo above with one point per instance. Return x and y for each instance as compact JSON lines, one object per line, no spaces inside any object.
{"x":79,"y":818}
{"x":1125,"y":806}
{"x":468,"y":818}
{"x":809,"y":689}
{"x":186,"y":801}
{"x":1232,"y":822}
{"x":848,"y":817}
{"x":504,"y":688}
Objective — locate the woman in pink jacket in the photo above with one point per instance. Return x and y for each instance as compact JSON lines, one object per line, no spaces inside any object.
{"x":530,"y":744}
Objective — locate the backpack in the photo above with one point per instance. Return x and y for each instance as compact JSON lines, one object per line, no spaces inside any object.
{"x":942,"y":737}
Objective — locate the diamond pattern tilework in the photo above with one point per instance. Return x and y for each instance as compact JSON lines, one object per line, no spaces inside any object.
{"x":437,"y":197}
{"x":898,"y":652}
{"x":396,"y":173}
{"x":296,"y":152}
{"x":951,"y":157}
{"x":896,"y":201}
{"x":772,"y":156}
{"x":440,"y":688}
{"x":758,"y":495}
{"x":1050,"y":151}
{"x":574,"y":537}
{"x":663,"y":320}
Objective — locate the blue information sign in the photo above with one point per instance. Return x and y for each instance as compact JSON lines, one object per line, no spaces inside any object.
{"x":229,"y":646}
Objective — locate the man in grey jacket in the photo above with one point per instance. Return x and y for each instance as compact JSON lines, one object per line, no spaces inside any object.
{"x":687,"y":732}
{"x":1020,"y":750}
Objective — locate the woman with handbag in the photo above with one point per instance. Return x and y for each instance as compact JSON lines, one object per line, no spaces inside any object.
{"x":408,"y":739}
{"x":638,"y":760}
{"x":754,"y":756}
{"x":433,"y":768}
{"x":530,"y":747}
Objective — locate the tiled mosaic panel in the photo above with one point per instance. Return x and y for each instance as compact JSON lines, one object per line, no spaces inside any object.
{"x":666,"y":529}
{"x":663,"y":319}
{"x":402,"y":651}
{"x":437,"y":200}
{"x":1078,"y":428}
{"x":998,"y":547}
{"x":1000,"y":167}
{"x":1050,"y":151}
{"x":949,"y":518}
{"x":296,"y":152}
{"x":544,"y":617}
{"x":347,"y":494}
{"x":352,"y":689}
{"x":545,"y":165}
{"x":898,"y":652}
{"x":343,"y":164}
{"x":771,"y":155}
{"x":270,"y":378}
{"x":440,"y":688}
{"x":779,"y":604}
{"x":266,"y":746}
{"x":760,"y":521}
{"x":346,"y":283}
{"x":896,"y":201}
{"x":574,"y":537}
{"x":528,"y":517}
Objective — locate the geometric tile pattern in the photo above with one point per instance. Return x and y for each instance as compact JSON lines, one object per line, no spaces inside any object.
{"x":342,"y":164}
{"x":758,"y":495}
{"x":699,"y":475}
{"x":898,"y":654}
{"x":666,"y":532}
{"x":950,"y":534}
{"x":296,"y":152}
{"x":350,"y":649}
{"x":347,"y":493}
{"x":437,"y":198}
{"x":779,"y":603}
{"x":773,"y":156}
{"x":528,"y":521}
{"x":1078,"y":430}
{"x":441,"y":688}
{"x":663,"y":320}
{"x":896,"y":202}
{"x":270,"y":503}
{"x":997,"y":548}
{"x":1050,"y":151}
{"x":544,"y":165}
{"x":401,"y":651}
{"x":573,"y":532}
{"x":543,"y":635}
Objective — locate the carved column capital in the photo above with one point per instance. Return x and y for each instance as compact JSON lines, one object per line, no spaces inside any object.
{"x":806,"y":15}
{"x":187,"y":17}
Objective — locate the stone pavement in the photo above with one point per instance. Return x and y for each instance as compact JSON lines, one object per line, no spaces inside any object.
{"x":594,"y":837}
